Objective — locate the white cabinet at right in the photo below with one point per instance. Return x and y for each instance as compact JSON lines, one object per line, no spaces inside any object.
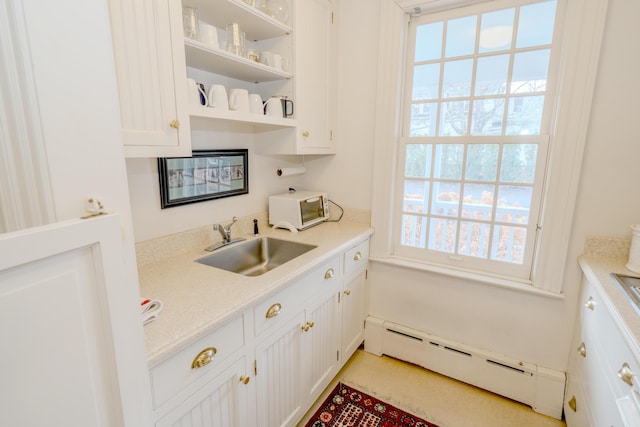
{"x":603,"y":388}
{"x":353,"y":298}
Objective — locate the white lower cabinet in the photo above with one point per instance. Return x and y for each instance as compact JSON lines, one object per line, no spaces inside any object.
{"x":222,"y":402}
{"x":596,"y":392}
{"x":271,"y":363}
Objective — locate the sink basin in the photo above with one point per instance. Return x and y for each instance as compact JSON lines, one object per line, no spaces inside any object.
{"x":631,"y":286}
{"x":255,"y":257}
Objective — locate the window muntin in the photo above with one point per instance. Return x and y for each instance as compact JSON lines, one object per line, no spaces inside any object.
{"x":475,"y":144}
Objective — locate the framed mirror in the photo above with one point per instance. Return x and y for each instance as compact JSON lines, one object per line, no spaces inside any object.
{"x":204,"y":176}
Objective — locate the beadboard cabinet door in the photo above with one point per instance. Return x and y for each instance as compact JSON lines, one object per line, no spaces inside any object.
{"x":150,"y":67}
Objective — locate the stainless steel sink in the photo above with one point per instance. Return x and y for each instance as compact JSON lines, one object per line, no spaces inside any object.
{"x":631,"y":286}
{"x":255,"y":257}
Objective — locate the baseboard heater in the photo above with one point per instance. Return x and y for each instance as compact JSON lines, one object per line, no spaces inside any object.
{"x":533,"y":385}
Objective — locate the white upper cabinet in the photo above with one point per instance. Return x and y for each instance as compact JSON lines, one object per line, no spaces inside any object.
{"x":150,"y":66}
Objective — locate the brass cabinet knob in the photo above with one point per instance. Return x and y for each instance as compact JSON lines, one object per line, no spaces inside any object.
{"x":311,"y":324}
{"x":204,"y":358}
{"x":347,"y":292}
{"x":329,"y":274}
{"x":174,"y":124}
{"x":274,"y":310}
{"x":357,"y":256}
{"x":590,"y":304}
{"x":572,"y":403}
{"x":305,"y":133}
{"x":626,"y":374}
{"x":244,"y":379}
{"x":582,"y":350}
{"x":305,"y":327}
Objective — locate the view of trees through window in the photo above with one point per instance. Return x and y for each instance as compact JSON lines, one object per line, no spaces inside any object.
{"x":474,"y":143}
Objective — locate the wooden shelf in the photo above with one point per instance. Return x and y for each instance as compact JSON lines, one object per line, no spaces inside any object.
{"x":219,"y":61}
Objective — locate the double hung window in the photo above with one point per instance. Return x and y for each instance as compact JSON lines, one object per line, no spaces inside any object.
{"x":478,"y":104}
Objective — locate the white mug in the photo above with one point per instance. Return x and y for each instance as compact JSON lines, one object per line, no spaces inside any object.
{"x":255,"y":104}
{"x":274,"y":60}
{"x":218,"y":97}
{"x":195,"y":93}
{"x":239,"y":100}
{"x":208,"y":34}
{"x":273,"y":107}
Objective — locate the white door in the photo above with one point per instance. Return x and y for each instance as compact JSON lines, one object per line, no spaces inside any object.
{"x":66,"y":359}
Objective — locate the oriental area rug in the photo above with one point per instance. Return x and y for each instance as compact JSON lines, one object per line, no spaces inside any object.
{"x":348,"y":407}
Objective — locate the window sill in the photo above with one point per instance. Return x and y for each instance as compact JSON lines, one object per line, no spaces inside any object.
{"x":520,"y":286}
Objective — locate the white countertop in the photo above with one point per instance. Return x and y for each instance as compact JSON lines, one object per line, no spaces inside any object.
{"x":598,"y":271}
{"x":197,"y":298}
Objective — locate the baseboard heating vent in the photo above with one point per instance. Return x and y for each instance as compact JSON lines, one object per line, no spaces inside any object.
{"x":539,"y":387}
{"x":404,"y":334}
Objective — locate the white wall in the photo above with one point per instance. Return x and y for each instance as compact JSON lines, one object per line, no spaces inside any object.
{"x":533,"y":328}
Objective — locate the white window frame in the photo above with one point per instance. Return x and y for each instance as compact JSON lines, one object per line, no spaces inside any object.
{"x":583,"y":27}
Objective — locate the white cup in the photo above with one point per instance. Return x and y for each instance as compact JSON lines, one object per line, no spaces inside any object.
{"x":239,"y":100}
{"x":195,"y":93}
{"x":273,"y":107}
{"x":274,"y":60}
{"x":218,"y":97}
{"x":208,"y":34}
{"x":255,"y":104}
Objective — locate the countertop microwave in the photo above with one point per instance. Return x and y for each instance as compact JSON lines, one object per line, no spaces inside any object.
{"x":298,"y":210}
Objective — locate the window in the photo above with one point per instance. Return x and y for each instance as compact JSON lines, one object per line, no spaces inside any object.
{"x":476,"y":117}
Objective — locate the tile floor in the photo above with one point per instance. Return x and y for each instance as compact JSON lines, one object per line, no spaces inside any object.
{"x":439,"y":399}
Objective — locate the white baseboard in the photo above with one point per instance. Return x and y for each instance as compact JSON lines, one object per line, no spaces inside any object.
{"x":536,"y":386}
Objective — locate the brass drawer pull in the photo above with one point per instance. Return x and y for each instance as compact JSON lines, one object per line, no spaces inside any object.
{"x":357,"y":256}
{"x":347,"y":292}
{"x":245,"y":379}
{"x":274,"y":310}
{"x":626,"y":374}
{"x":590,"y":304}
{"x":329,"y":274}
{"x":572,"y":403}
{"x":174,"y":124}
{"x":204,"y":358}
{"x":582,"y":350}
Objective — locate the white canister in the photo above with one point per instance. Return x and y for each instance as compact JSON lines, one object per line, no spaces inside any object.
{"x":634,"y":251}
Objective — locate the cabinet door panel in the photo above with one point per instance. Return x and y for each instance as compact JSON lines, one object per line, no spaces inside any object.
{"x":353,"y":313}
{"x":278,"y":375}
{"x":321,"y":345}
{"x":223,"y":402}
{"x":151,"y":76}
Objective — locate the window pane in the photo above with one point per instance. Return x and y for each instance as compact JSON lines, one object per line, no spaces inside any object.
{"x":514,"y":203}
{"x":491,"y":75}
{"x":414,"y":230}
{"x":535,"y":24}
{"x":416,"y":196}
{"x":448,"y":164}
{"x":496,"y":30}
{"x":477,"y":202}
{"x":442,"y":234}
{"x":454,"y":117}
{"x":446,"y":198}
{"x":461,"y":36}
{"x":530,"y":71}
{"x":525,"y":115}
{"x":482,"y":162}
{"x":418,"y":161}
{"x":423,"y":119}
{"x":474,"y":239}
{"x":487,"y":115}
{"x":457,"y":78}
{"x":426,"y":81}
{"x":428,"y":41}
{"x":508,"y":244}
{"x":519,"y":163}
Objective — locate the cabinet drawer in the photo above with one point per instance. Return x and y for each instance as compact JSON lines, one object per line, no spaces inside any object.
{"x":177,"y":372}
{"x":356,"y":257}
{"x":278,"y":308}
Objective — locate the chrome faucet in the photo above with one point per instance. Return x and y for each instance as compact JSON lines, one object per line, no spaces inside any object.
{"x":225,"y":232}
